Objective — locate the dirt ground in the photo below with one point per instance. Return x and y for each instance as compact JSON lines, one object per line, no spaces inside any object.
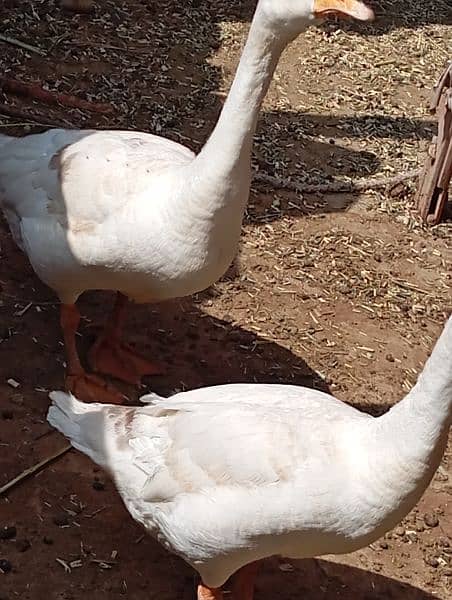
{"x":342,"y":292}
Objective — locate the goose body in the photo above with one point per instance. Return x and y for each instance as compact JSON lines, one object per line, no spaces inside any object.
{"x":111,"y":210}
{"x":140,"y":214}
{"x":227,"y":475}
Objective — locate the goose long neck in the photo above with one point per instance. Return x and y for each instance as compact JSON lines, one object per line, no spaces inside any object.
{"x":428,"y":407}
{"x":413,"y":434}
{"x":229,"y":146}
{"x":405,"y":446}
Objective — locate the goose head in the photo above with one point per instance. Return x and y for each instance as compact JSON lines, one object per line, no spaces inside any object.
{"x":294,"y":16}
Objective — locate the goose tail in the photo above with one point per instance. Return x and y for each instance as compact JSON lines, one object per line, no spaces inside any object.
{"x":83,"y":424}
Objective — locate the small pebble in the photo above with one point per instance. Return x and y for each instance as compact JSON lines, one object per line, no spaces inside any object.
{"x":5,"y":565}
{"x":431,"y":520}
{"x":384,"y":545}
{"x":61,"y":520}
{"x":412,"y":536}
{"x":7,"y":533}
{"x":400,"y":531}
{"x":98,"y":485}
{"x":389,"y":358}
{"x":432,"y":561}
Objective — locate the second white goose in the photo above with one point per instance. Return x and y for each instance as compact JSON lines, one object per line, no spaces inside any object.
{"x":227,"y":475}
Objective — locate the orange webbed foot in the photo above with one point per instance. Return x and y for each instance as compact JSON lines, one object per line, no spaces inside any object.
{"x":90,"y":388}
{"x":112,"y":357}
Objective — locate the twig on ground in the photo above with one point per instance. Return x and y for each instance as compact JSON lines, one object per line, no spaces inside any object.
{"x":25,"y":124}
{"x":15,"y":42}
{"x":336,"y":187}
{"x":36,"y":92}
{"x":16,"y":113}
{"x":34,"y":469}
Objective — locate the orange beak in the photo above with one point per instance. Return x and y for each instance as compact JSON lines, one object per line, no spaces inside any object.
{"x":343,"y":8}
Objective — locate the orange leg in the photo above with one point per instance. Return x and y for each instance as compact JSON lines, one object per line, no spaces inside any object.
{"x":243,"y":582}
{"x":84,"y":386}
{"x":206,"y":593}
{"x":111,"y":356}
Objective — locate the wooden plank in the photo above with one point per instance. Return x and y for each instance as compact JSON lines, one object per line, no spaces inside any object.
{"x":433,"y":189}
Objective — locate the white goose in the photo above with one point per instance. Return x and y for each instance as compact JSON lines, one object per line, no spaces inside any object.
{"x":227,"y":475}
{"x":140,"y":214}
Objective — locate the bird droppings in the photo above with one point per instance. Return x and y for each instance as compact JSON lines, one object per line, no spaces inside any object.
{"x":13,"y":383}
